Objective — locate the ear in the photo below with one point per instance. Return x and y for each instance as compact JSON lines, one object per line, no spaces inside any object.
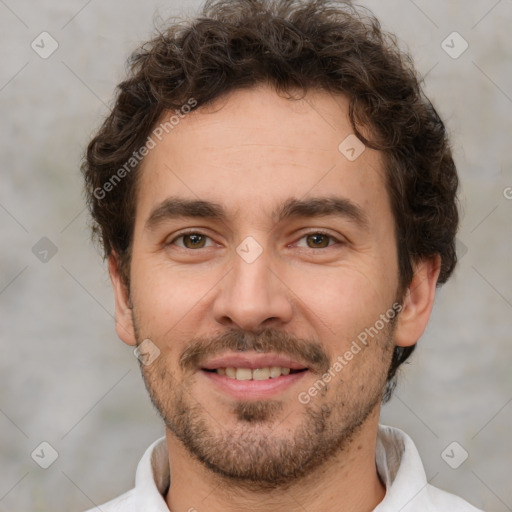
{"x":418,"y":302}
{"x":124,"y":320}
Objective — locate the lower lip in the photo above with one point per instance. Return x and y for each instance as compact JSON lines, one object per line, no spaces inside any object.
{"x":253,"y":389}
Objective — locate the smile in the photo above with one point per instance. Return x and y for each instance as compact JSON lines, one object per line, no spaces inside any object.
{"x":269,"y":372}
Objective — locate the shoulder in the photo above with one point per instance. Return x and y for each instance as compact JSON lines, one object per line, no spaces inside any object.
{"x":442,"y":500}
{"x":407,"y":488}
{"x":151,"y":480}
{"x":123,"y":503}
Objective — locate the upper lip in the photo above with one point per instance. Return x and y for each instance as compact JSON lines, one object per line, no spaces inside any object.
{"x":252,"y":361}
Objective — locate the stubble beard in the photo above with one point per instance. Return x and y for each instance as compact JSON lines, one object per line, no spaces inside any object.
{"x":255,"y":454}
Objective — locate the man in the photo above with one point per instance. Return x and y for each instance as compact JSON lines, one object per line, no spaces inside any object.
{"x":277,"y":202}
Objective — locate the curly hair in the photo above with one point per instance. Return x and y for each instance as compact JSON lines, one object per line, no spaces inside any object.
{"x":291,"y":45}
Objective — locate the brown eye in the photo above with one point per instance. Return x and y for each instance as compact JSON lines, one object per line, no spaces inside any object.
{"x":194,"y":241}
{"x":191,"y":241}
{"x":318,"y":240}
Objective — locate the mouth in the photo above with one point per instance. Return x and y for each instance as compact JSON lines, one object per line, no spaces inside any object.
{"x":256,"y":376}
{"x":269,"y":372}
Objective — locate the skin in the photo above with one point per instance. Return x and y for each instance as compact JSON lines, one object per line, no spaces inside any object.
{"x":251,"y":152}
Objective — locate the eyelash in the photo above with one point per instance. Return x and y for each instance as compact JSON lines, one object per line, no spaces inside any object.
{"x":316,"y":232}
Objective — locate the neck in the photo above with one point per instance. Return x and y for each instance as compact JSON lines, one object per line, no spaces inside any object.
{"x":348,"y":481}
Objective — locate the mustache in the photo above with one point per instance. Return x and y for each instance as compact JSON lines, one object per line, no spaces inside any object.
{"x":308,"y":351}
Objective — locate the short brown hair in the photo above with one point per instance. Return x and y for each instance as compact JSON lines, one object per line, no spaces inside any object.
{"x":292,"y":45}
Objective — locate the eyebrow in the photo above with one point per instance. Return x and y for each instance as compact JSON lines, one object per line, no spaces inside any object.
{"x":177,"y":207}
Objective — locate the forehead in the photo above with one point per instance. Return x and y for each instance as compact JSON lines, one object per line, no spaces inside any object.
{"x":253,"y":149}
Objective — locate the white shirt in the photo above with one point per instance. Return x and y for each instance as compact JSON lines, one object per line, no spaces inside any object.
{"x":398,"y":464}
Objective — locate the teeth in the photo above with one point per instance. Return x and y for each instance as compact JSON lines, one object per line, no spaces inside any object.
{"x":257,"y":374}
{"x":261,"y":373}
{"x":275,"y":371}
{"x":243,"y":374}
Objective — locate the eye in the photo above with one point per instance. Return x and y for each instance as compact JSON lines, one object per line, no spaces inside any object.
{"x":191,"y":240}
{"x":318,"y":240}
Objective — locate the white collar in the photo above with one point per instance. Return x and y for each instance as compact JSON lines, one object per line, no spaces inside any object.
{"x":398,"y":464}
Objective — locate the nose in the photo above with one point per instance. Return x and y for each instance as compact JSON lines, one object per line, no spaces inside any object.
{"x":253,"y":296}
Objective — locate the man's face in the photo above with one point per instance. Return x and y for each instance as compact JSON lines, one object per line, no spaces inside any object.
{"x":276,"y":282}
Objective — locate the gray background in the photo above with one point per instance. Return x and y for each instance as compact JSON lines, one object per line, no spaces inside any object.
{"x":65,"y":377}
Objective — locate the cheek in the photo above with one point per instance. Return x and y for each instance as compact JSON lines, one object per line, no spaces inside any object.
{"x":175,"y":304}
{"x":168,"y":299}
{"x":345,"y":297}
